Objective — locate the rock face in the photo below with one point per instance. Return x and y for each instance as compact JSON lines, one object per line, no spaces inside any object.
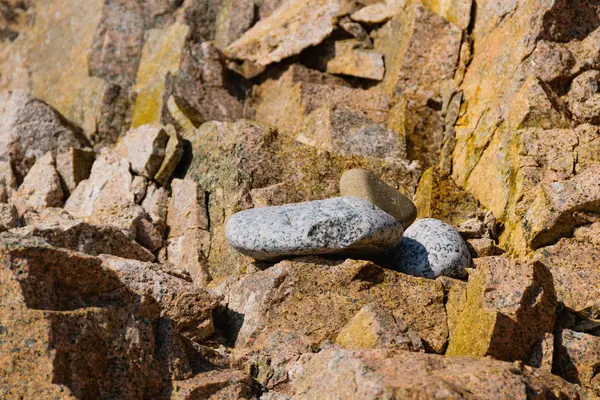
{"x":510,"y":305}
{"x":578,"y":355}
{"x":362,"y":183}
{"x":431,"y":248}
{"x":144,"y":148}
{"x":342,"y":225}
{"x":373,"y":374}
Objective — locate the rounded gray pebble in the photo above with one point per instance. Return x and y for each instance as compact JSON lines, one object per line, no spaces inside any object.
{"x":341,"y":225}
{"x":431,"y":248}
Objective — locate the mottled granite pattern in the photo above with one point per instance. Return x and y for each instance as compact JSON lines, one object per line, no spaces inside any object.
{"x":341,"y":225}
{"x":431,"y":248}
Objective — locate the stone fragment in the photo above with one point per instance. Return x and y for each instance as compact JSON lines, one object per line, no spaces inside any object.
{"x":234,"y":19}
{"x":543,"y":353}
{"x":187,"y":253}
{"x":344,"y":131}
{"x":173,"y":154}
{"x":578,"y":357}
{"x":343,"y":225}
{"x":483,"y":247}
{"x":573,"y":263}
{"x":315,"y":298}
{"x":376,"y":374}
{"x":144,"y":148}
{"x":225,"y":384}
{"x":288,"y":30}
{"x":148,"y":235}
{"x":510,"y":305}
{"x":156,"y":204}
{"x":456,"y":11}
{"x":349,"y":58}
{"x":364,"y":184}
{"x":356,"y":30}
{"x":41,"y":187}
{"x":8,"y":181}
{"x":232,"y":159}
{"x":31,"y":128}
{"x":551,"y":215}
{"x":73,"y":166}
{"x":584,"y":97}
{"x":379,"y":11}
{"x":9,"y":217}
{"x":431,"y":248}
{"x":374,"y":328}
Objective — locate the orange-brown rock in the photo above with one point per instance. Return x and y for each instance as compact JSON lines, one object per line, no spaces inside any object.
{"x":577,"y":359}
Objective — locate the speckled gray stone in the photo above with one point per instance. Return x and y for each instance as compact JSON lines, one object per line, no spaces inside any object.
{"x":342,"y":225}
{"x":431,"y":248}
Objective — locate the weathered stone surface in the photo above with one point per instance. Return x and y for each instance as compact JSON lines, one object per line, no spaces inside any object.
{"x":156,"y":204}
{"x":379,"y":11}
{"x":456,"y":11}
{"x":510,"y":305}
{"x":551,"y":214}
{"x":576,"y":270}
{"x":431,"y":248}
{"x":8,"y":181}
{"x":483,"y":247}
{"x":285,"y":100}
{"x":144,"y":148}
{"x":288,"y":30}
{"x":317,"y":298}
{"x":41,"y":187}
{"x":30,"y":128}
{"x":173,"y":154}
{"x":578,"y":355}
{"x":231,"y":160}
{"x":364,"y":184}
{"x":347,"y":132}
{"x":542,"y":356}
{"x":9,"y":217}
{"x":584,"y":97}
{"x":375,"y":374}
{"x":234,"y":19}
{"x":341,"y":225}
{"x":73,"y":166}
{"x":374,"y":328}
{"x":349,"y":58}
{"x":214,"y":385}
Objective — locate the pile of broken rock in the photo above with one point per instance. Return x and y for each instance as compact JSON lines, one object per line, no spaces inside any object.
{"x":410,"y":188}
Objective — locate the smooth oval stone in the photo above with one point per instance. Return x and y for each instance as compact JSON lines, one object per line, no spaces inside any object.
{"x":361,"y":183}
{"x":431,"y":248}
{"x":342,"y":225}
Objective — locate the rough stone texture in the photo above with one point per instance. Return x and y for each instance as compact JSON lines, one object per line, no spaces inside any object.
{"x":230,"y":160}
{"x":543,"y":353}
{"x":349,"y":58}
{"x":214,"y":385}
{"x":30,"y":128}
{"x":364,"y":184}
{"x":173,"y":154}
{"x":288,"y":30}
{"x":439,"y":197}
{"x":8,"y":181}
{"x":456,"y":11}
{"x":73,"y":166}
{"x":347,"y":132}
{"x":584,"y":97}
{"x":375,"y":374}
{"x":578,"y":358}
{"x":317,"y":298}
{"x":341,"y":225}
{"x":510,"y":305}
{"x":41,"y":187}
{"x":483,"y":247}
{"x":284,"y":100}
{"x":575,"y":269}
{"x":431,"y":248}
{"x":9,"y":217}
{"x":156,"y":204}
{"x":373,"y":328}
{"x":379,"y":11}
{"x":144,"y":148}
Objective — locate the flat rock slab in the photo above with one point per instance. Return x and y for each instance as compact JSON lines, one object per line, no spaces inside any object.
{"x":431,"y":248}
{"x":342,"y":225}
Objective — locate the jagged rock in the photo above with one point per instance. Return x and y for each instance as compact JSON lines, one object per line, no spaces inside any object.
{"x":373,"y":328}
{"x":349,"y":58}
{"x":543,"y":353}
{"x":362,"y":183}
{"x":573,"y":263}
{"x":483,"y":247}
{"x":316,"y":298}
{"x":577,"y":359}
{"x":9,"y":217}
{"x":341,"y":225}
{"x":234,"y":19}
{"x":30,"y":129}
{"x":64,"y":231}
{"x":357,"y":31}
{"x":144,"y":148}
{"x":285,"y":101}
{"x":214,"y":385}
{"x":8,"y":181}
{"x":510,"y":305}
{"x":431,"y":248}
{"x":288,"y":30}
{"x":73,"y":166}
{"x":189,"y":236}
{"x":379,"y":11}
{"x":584,"y":97}
{"x":173,"y":154}
{"x":456,"y":11}
{"x":347,"y":132}
{"x":156,"y":204}
{"x":404,"y":374}
{"x":231,"y":160}
{"x":551,"y":213}
{"x":456,"y":299}
{"x":41,"y":187}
